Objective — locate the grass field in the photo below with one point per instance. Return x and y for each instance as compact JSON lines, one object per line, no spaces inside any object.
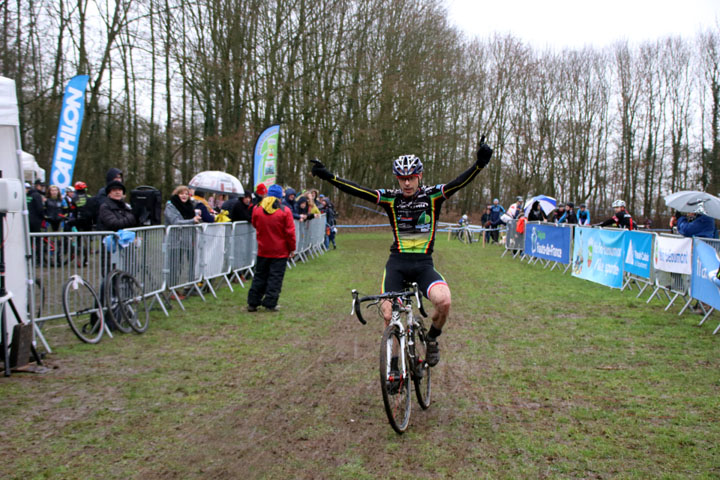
{"x":542,"y":376}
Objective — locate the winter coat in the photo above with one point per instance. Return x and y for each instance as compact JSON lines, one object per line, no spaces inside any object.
{"x":702,"y":226}
{"x":115,"y":215}
{"x":174,"y":217}
{"x":275,"y":229}
{"x":241,"y":212}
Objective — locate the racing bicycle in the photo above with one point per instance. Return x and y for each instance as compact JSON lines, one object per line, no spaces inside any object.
{"x":407,"y":340}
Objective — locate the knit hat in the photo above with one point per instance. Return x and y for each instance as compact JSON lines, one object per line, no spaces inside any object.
{"x":261,"y":189}
{"x":113,"y":185}
{"x":275,"y":191}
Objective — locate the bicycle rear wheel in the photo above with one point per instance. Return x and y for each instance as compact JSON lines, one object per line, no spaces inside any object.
{"x":113,"y":307}
{"x":396,"y":394}
{"x":421,"y":370}
{"x":133,"y":306}
{"x":83,"y":310}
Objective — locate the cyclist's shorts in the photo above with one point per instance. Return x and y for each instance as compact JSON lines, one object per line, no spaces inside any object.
{"x":403,"y":268}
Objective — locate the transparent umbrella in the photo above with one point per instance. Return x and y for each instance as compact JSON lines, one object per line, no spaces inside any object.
{"x":216,"y":182}
{"x":688,"y":201}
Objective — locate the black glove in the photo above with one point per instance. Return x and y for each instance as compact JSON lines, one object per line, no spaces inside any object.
{"x":319,"y":170}
{"x":484,"y":153}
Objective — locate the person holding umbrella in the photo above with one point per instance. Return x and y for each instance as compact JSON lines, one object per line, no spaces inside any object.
{"x":536,"y":213}
{"x":697,"y":224}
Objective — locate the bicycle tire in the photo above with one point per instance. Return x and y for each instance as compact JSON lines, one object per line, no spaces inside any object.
{"x":421,"y":370}
{"x":80,"y":302}
{"x":112,"y":302}
{"x":134,"y":308}
{"x":397,"y":405}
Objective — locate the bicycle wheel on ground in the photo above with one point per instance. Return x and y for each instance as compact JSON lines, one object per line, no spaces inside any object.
{"x":113,"y":308}
{"x":464,"y":236}
{"x":421,"y":370}
{"x":395,"y":392}
{"x":134,"y":309}
{"x":83,"y":310}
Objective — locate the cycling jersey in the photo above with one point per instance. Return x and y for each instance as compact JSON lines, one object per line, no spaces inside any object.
{"x":414,"y":219}
{"x":621,"y":219}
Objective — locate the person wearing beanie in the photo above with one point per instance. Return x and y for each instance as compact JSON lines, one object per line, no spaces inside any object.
{"x":114,"y":213}
{"x":260,"y":193}
{"x":242,"y":211}
{"x":275,"y":232}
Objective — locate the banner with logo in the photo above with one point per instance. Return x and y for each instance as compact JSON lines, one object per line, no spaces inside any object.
{"x":548,"y":242}
{"x":673,"y":254}
{"x":266,"y":157}
{"x":638,"y":253}
{"x":68,"y":134}
{"x":705,"y":285}
{"x":599,"y":256}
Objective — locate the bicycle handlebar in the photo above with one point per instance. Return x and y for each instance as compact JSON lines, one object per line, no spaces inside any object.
{"x":414,"y":292}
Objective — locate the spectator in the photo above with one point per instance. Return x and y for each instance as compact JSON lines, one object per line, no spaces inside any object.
{"x":35,"y":207}
{"x":496,"y":212}
{"x":556,"y":214}
{"x":302,"y":209}
{"x":55,"y":209}
{"x":289,"y":200}
{"x":536,"y":213}
{"x":312,"y":206}
{"x":697,"y":224}
{"x":621,"y":219}
{"x":114,"y":213}
{"x":179,"y":210}
{"x":83,"y":209}
{"x":112,"y":175}
{"x":583,"y":215}
{"x":275,"y":232}
{"x":69,"y":194}
{"x":486,"y":222}
{"x":569,"y":216}
{"x":242,"y":212}
{"x":518,"y":207}
{"x":328,"y":209}
{"x":260,"y":192}
{"x":230,"y":203}
{"x":201,"y":204}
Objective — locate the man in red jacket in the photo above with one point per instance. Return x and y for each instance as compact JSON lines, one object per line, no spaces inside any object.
{"x":275,"y":231}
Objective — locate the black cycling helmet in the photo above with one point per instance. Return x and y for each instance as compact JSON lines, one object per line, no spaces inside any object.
{"x":406,"y":165}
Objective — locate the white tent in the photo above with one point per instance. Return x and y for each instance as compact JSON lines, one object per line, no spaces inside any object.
{"x":16,"y":227}
{"x":31,"y":169}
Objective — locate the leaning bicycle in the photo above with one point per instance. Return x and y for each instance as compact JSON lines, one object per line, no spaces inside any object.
{"x":407,"y":342}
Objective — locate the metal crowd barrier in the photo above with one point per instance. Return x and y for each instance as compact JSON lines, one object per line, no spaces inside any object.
{"x":672,"y":283}
{"x":309,"y":238}
{"x":181,"y":259}
{"x":244,"y":250}
{"x":714,"y":243}
{"x":215,"y":250}
{"x":514,"y":241}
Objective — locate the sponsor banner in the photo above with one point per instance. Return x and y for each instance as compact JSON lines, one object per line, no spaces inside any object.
{"x":705,"y":285}
{"x":638,"y":253}
{"x":673,"y":254}
{"x":266,"y":157}
{"x":68,"y":134}
{"x":599,"y":256}
{"x":548,"y":242}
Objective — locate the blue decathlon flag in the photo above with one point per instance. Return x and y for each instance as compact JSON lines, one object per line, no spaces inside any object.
{"x":68,"y":134}
{"x":548,"y":242}
{"x":638,"y":253}
{"x":266,"y":157}
{"x":705,"y":285}
{"x":599,"y":256}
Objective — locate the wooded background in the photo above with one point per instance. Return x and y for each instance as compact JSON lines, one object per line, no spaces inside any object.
{"x":182,"y":86}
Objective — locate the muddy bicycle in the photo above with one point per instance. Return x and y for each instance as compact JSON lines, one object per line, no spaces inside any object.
{"x":407,"y":342}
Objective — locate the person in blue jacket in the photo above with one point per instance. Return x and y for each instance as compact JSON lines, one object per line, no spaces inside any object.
{"x":496,"y":212}
{"x":699,"y":224}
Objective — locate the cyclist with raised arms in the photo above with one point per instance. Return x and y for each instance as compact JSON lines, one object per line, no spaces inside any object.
{"x":413,"y":211}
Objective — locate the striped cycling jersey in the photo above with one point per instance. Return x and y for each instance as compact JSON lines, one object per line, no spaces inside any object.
{"x":414,"y":219}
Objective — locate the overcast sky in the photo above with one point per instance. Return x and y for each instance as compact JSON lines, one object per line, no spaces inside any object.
{"x":576,"y":23}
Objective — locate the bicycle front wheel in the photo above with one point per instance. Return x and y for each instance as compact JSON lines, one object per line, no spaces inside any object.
{"x":83,"y":310}
{"x":134,"y":309}
{"x":395,"y":391}
{"x":421,"y":370}
{"x":113,"y":307}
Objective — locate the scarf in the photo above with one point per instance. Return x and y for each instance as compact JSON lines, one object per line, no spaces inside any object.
{"x":185,"y":208}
